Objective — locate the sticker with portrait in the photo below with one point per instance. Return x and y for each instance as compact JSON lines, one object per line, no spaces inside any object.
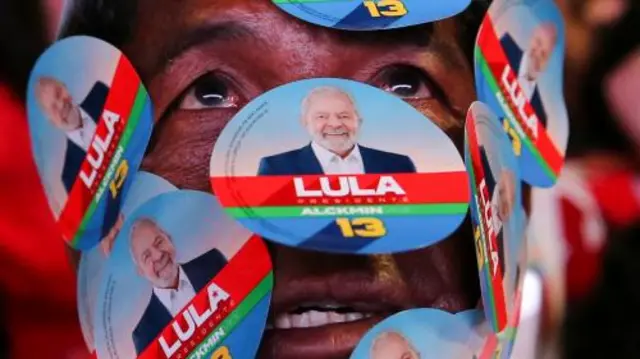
{"x":371,"y":14}
{"x":90,"y":120}
{"x":497,"y":213}
{"x":183,"y":281}
{"x":519,"y":59}
{"x":318,"y":164}
{"x":92,"y":262}
{"x":419,"y":334}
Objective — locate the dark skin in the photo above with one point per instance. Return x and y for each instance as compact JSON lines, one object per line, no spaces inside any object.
{"x":204,"y":59}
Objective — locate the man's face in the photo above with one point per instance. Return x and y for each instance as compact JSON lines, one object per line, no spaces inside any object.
{"x":154,"y":255}
{"x":204,"y":59}
{"x":332,"y":122}
{"x":540,"y":50}
{"x":57,"y":104}
{"x":393,"y":346}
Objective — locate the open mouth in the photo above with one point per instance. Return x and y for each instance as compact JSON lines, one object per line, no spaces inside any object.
{"x":325,"y":318}
{"x":318,"y":315}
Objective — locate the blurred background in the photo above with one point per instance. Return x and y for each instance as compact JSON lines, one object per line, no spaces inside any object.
{"x":589,"y":262}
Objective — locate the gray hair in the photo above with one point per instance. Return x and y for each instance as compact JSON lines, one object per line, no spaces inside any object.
{"x":384,"y":335}
{"x":306,"y":101}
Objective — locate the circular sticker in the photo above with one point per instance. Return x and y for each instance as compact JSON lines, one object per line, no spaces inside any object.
{"x":419,"y":334}
{"x":497,"y":214}
{"x":183,"y":281}
{"x":90,"y":119}
{"x":519,"y":61}
{"x":144,"y":187}
{"x":337,"y":178}
{"x":371,"y":14}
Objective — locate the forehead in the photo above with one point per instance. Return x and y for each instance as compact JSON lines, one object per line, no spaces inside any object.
{"x":144,"y":231}
{"x":165,"y":27}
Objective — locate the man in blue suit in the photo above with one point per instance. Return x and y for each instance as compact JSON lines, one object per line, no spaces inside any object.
{"x":529,"y":64}
{"x":330,"y":116}
{"x":79,"y":123}
{"x":174,"y":284}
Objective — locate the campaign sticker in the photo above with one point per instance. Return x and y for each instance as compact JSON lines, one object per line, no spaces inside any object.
{"x":419,"y":334}
{"x":371,"y":14}
{"x":144,"y":187}
{"x":500,"y":345}
{"x":90,"y":119}
{"x":497,"y":214}
{"x":183,"y":280}
{"x":519,"y":58}
{"x":318,"y":164}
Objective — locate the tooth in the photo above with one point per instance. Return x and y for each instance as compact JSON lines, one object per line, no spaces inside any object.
{"x":300,"y":320}
{"x":352,"y":317}
{"x":336,"y":317}
{"x":317,"y":319}
{"x":283,"y":322}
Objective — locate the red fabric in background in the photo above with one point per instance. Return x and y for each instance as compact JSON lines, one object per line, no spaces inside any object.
{"x":36,"y":279}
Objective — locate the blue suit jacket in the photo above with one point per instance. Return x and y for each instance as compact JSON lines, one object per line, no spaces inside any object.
{"x":514,"y":56}
{"x":156,"y":317}
{"x":303,"y":161}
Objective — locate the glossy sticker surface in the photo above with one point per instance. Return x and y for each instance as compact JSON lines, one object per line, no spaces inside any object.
{"x":317,"y":164}
{"x":90,"y":119}
{"x":419,"y":334}
{"x":497,"y":214}
{"x":519,"y":59}
{"x":371,"y":14}
{"x":145,"y":186}
{"x":183,"y":281}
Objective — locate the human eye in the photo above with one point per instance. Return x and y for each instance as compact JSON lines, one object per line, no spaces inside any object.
{"x":405,"y":81}
{"x":211,"y":90}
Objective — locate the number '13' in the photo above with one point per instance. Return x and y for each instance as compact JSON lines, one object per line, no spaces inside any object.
{"x":365,"y":227}
{"x":385,"y":8}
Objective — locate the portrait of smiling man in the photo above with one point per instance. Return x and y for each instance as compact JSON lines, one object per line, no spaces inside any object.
{"x":331,"y":118}
{"x":203,"y":60}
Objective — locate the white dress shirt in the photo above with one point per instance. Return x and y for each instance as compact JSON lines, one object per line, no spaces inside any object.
{"x":528,"y":86}
{"x":333,"y":164}
{"x":176,"y":299}
{"x":82,"y":136}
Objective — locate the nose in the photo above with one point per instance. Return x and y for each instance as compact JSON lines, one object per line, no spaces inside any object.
{"x":334,"y":121}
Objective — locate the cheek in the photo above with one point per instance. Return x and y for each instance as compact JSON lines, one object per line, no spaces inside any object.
{"x":181,"y":147}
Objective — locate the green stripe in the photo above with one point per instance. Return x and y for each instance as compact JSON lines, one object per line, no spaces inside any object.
{"x":132,"y":123}
{"x":235,"y":317}
{"x":372,"y":209}
{"x":493,"y":84}
{"x":487,"y":264}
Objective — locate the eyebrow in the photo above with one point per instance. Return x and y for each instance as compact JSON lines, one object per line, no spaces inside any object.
{"x":196,"y":36}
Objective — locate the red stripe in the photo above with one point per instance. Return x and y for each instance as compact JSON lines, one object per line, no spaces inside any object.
{"x":238,"y":278}
{"x":490,"y":236}
{"x":497,"y":62}
{"x":420,"y":188}
{"x":120,"y":100}
{"x":490,"y":346}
